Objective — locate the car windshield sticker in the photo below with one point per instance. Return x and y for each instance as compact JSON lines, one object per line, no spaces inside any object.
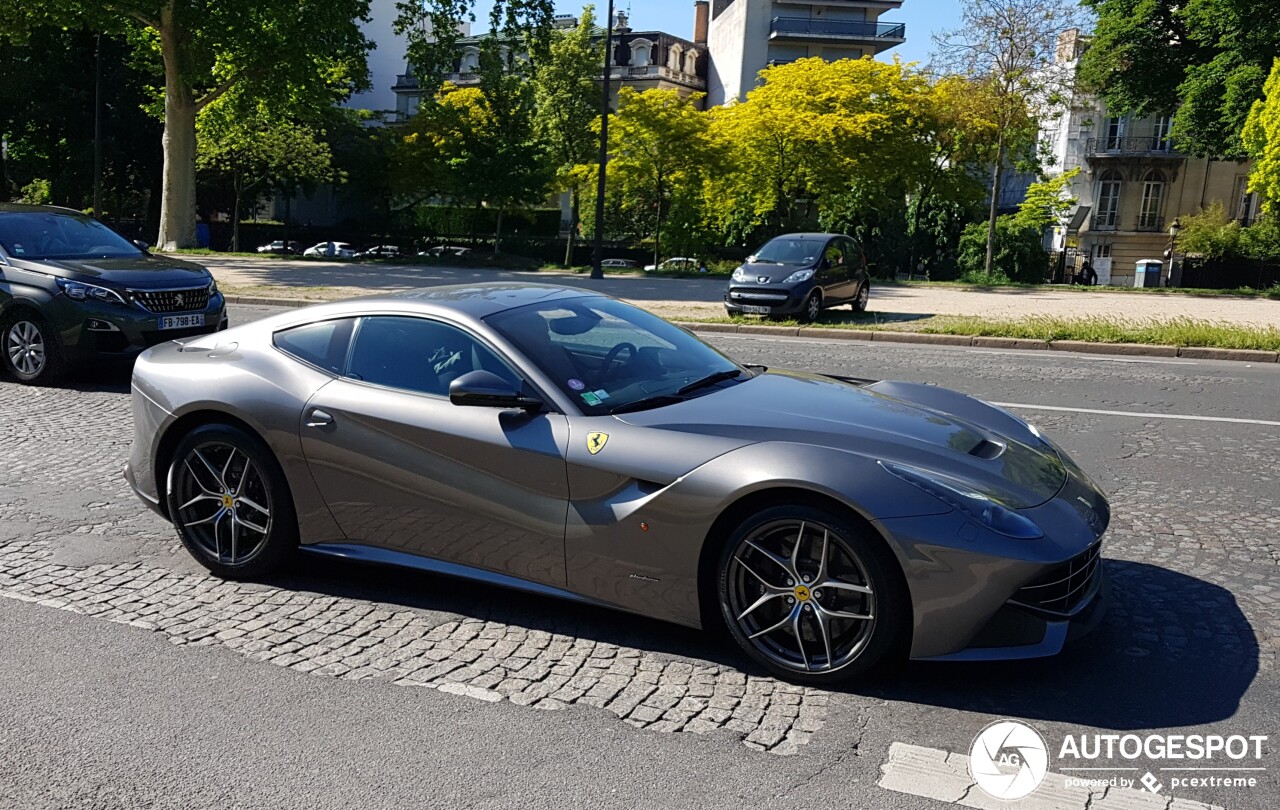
{"x":590,"y":398}
{"x":601,"y":394}
{"x":18,"y":249}
{"x":577,"y":385}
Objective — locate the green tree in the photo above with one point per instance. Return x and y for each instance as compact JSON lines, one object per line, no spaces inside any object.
{"x":659,"y":156}
{"x":432,"y":30}
{"x":293,"y":54}
{"x":1262,"y":140}
{"x":1046,"y":202}
{"x":1019,"y":252}
{"x":1009,"y":46}
{"x":1205,"y":61}
{"x":253,"y":150}
{"x":567,"y":96}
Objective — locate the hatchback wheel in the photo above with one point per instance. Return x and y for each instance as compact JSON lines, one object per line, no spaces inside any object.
{"x":230,"y":502}
{"x":30,"y":349}
{"x":863,"y":297}
{"x":812,"y":307}
{"x":809,"y":596}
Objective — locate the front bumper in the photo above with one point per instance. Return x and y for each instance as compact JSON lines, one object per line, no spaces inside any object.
{"x":94,"y":330}
{"x":979,"y":596}
{"x":779,"y":298}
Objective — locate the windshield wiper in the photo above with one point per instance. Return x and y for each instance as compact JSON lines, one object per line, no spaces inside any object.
{"x":709,"y":380}
{"x":656,"y":401}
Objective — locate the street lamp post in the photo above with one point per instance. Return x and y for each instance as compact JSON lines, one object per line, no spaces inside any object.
{"x":597,"y":259}
{"x":1171,"y":254}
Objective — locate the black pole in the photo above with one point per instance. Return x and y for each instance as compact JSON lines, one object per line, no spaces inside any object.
{"x":597,"y":266}
{"x":97,"y":128}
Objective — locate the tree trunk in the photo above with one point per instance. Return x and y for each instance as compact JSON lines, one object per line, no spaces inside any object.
{"x":178,"y":186}
{"x":497,"y":235}
{"x":235,"y":218}
{"x":657,"y":231}
{"x":573,"y":227}
{"x":997,"y":177}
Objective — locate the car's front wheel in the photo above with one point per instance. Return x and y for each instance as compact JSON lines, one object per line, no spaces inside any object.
{"x":863,"y":298}
{"x":31,"y":350}
{"x":230,"y":502}
{"x":810,"y":596}
{"x":812,"y":307}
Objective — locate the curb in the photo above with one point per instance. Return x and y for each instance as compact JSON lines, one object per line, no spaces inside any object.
{"x":1121,"y":349}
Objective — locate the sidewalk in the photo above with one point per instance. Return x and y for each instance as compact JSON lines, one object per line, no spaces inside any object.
{"x":701,"y":298}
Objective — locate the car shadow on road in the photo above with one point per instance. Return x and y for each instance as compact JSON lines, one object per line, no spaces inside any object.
{"x":1173,"y":651}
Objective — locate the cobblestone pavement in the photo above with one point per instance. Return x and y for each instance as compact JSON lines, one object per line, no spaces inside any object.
{"x":1193,"y":551}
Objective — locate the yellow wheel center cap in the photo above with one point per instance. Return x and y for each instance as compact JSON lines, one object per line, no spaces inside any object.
{"x":228,"y":502}
{"x":802,"y":593}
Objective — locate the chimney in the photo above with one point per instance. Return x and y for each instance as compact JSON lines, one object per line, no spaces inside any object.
{"x":701,"y":19}
{"x":622,"y":23}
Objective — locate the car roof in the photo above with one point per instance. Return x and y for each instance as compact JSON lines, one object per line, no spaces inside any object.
{"x":808,"y":236}
{"x":469,"y":301}
{"x":20,"y":208}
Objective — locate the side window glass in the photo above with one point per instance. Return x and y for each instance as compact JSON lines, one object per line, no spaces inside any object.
{"x":419,"y":355}
{"x":854,"y":256}
{"x":835,"y":257}
{"x":322,"y":344}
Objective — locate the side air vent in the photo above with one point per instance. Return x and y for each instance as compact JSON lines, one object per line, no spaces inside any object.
{"x":987,"y":449}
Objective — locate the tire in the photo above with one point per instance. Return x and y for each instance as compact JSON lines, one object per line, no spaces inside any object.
{"x":230,"y":503}
{"x":812,"y":308}
{"x":862,"y":298}
{"x":30,"y":350}
{"x":862,"y":630}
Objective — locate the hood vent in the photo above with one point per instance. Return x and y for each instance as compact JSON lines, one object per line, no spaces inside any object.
{"x":987,"y":449}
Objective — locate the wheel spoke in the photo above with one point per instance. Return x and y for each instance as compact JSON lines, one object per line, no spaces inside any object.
{"x":795,"y":550}
{"x":226,"y":468}
{"x":820,"y":618}
{"x":214,"y":518}
{"x":766,"y":583}
{"x":212,"y":470}
{"x":789,"y":617}
{"x":250,"y":524}
{"x":254,"y":506}
{"x":822,"y":558}
{"x":844,"y":614}
{"x":198,"y":482}
{"x":766,"y":598}
{"x":197,"y":499}
{"x":779,"y":561}
{"x":235,"y":538}
{"x":244,"y":477}
{"x":795,"y":628}
{"x":843,"y":586}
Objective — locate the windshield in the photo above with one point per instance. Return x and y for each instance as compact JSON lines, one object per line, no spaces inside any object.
{"x":608,"y":356}
{"x":790,"y":250}
{"x":49,"y":235}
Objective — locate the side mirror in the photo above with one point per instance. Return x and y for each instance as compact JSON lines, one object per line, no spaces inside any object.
{"x":484,"y":389}
{"x":141,"y":245}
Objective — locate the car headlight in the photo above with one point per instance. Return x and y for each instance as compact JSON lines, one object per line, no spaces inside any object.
{"x":996,"y":517}
{"x":740,"y":274}
{"x":79,"y":291}
{"x":213,"y":287}
{"x":799,"y":275}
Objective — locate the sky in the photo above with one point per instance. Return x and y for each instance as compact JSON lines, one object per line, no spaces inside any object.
{"x":923,"y":18}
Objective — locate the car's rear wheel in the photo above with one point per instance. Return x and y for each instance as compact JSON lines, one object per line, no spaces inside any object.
{"x":31,"y":350}
{"x":812,"y":307}
{"x":863,"y":298}
{"x":809,"y":596}
{"x":230,"y":502}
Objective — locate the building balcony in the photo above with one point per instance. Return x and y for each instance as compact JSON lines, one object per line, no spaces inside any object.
{"x":878,"y":35}
{"x":1105,"y":223}
{"x":1150,"y":223}
{"x":627,"y":73}
{"x":405,"y":81}
{"x":1145,"y":146}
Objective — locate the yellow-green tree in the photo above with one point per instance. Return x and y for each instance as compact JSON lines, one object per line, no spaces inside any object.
{"x":660,"y":154}
{"x":1262,"y":139}
{"x":818,"y":138}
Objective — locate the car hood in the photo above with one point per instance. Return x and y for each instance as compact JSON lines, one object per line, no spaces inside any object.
{"x":142,"y":272}
{"x":921,"y":426}
{"x":769,"y":272}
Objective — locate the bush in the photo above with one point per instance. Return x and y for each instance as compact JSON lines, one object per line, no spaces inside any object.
{"x":445,"y":220}
{"x":1020,"y":256}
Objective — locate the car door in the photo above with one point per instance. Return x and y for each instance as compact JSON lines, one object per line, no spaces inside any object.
{"x":404,"y":469}
{"x":832,"y":273}
{"x":856,"y":260}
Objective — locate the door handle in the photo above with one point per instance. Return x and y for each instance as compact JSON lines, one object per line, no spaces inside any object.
{"x":317,"y":418}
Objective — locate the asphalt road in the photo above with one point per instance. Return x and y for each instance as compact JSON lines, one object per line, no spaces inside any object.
{"x":96,"y":713}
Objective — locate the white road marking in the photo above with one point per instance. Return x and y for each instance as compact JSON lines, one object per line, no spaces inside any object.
{"x":1139,"y":414}
{"x":944,"y":776}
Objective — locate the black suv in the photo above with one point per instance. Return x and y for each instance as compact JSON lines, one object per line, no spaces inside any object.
{"x":800,"y":274}
{"x":72,"y":289}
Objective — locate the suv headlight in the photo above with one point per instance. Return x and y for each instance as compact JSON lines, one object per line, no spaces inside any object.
{"x":213,"y":287}
{"x":798,"y":276}
{"x":996,"y":517}
{"x":79,"y":291}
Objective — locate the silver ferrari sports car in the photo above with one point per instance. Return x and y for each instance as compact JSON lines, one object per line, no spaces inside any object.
{"x":565,"y":443}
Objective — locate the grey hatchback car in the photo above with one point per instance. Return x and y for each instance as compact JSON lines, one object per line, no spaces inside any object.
{"x":800,"y":274}
{"x":73,"y":290}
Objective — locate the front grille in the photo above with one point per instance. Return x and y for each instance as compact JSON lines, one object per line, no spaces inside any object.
{"x":1064,"y":587}
{"x":165,"y":301}
{"x":762,"y":295}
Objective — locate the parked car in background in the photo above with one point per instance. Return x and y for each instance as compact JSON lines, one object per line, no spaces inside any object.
{"x":282,"y":248}
{"x":678,"y":264}
{"x":800,"y":274}
{"x":619,"y":264}
{"x":330,"y":250}
{"x":380,"y":252}
{"x":72,"y":290}
{"x":439,"y":251}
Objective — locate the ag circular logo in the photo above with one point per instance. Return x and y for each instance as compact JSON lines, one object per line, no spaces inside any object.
{"x":1008,"y":760}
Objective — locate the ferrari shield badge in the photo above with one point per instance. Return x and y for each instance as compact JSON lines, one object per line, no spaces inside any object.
{"x":596,"y":442}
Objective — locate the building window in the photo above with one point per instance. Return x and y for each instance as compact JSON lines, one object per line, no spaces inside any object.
{"x":1108,"y":212}
{"x":470,"y":62}
{"x":1150,"y":218}
{"x":1102,"y":251}
{"x":691,"y":63}
{"x":641,"y":53}
{"x":1161,"y":140}
{"x":1115,"y":133}
{"x":1246,"y":205}
{"x":674,"y":57}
